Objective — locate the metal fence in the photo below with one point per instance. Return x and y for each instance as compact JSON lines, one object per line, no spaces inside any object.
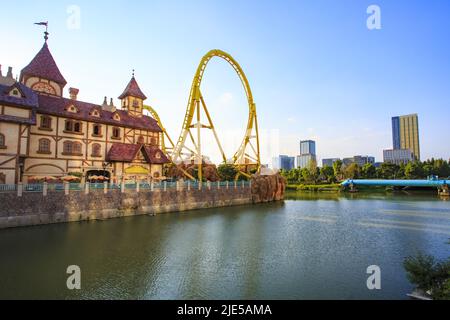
{"x":67,"y":188}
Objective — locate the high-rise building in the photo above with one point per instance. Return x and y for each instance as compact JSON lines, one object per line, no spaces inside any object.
{"x":307,"y":153}
{"x":329,"y":162}
{"x":283,"y":162}
{"x":398,"y":156}
{"x":405,"y":134}
{"x":305,"y":160}
{"x":307,"y":147}
{"x":359,"y":160}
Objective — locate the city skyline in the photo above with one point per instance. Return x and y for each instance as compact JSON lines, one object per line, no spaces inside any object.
{"x":338,"y":84}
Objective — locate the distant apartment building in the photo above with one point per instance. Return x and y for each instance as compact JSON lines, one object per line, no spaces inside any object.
{"x":405,"y":134}
{"x":283,"y":162}
{"x":398,"y":156}
{"x":307,"y":153}
{"x":303,"y":161}
{"x":329,"y":162}
{"x":359,"y":160}
{"x":307,"y":147}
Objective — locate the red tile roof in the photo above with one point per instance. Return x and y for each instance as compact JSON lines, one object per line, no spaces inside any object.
{"x":29,"y":97}
{"x":44,"y":66}
{"x":125,"y":152}
{"x":56,"y":106}
{"x":155,"y":155}
{"x":133,"y":90}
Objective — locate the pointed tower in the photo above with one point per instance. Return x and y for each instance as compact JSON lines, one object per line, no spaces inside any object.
{"x":42,"y":74}
{"x":133,"y":98}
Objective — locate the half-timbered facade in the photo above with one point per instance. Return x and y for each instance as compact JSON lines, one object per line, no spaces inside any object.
{"x":45,"y":134}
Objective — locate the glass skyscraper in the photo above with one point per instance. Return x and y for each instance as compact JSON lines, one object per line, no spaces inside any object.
{"x":405,"y":134}
{"x":307,"y":153}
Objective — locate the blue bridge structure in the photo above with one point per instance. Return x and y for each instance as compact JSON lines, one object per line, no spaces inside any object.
{"x":442,"y":185}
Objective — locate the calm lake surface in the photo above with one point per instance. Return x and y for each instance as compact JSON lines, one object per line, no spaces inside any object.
{"x":309,"y":247}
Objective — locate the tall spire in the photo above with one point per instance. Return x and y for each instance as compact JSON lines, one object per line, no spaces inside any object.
{"x":44,"y":66}
{"x":44,"y":23}
{"x":133,"y":90}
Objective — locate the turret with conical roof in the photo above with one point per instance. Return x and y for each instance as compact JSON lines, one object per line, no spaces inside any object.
{"x":133,"y":98}
{"x":42,"y":73}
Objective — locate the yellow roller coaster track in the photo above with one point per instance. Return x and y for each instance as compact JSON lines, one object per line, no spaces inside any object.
{"x":248,"y":152}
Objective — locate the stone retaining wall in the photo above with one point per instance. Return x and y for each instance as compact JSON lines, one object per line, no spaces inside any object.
{"x":57,"y":207}
{"x":35,"y":209}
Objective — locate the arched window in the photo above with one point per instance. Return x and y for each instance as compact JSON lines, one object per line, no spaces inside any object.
{"x":97,"y":130}
{"x":72,"y":148}
{"x":73,"y":126}
{"x":116,"y":133}
{"x":96,"y":150}
{"x":46,"y":122}
{"x":67,"y":147}
{"x":44,"y":146}
{"x":141,"y":140}
{"x":76,"y":148}
{"x":153,"y":142}
{"x":2,"y":141}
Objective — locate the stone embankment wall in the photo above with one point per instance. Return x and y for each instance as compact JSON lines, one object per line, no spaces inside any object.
{"x":57,"y":207}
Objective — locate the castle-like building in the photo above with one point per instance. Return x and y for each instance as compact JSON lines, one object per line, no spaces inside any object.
{"x":45,"y":134}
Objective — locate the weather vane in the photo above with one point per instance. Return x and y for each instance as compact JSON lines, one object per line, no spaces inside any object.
{"x":44,"y":23}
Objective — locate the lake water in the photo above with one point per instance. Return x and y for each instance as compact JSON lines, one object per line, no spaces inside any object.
{"x":307,"y":247}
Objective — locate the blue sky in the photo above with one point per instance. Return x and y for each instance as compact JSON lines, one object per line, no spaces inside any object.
{"x":315,"y":69}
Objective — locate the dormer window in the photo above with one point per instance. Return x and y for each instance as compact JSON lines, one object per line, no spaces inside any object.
{"x":72,"y":109}
{"x":15,"y":93}
{"x":95,"y":113}
{"x":116,"y":117}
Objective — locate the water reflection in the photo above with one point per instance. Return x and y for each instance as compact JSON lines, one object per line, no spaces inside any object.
{"x":310,"y":246}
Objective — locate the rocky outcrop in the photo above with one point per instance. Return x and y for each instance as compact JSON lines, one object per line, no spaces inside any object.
{"x":268,"y":188}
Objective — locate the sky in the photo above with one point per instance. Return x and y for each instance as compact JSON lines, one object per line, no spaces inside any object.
{"x":316,"y":70}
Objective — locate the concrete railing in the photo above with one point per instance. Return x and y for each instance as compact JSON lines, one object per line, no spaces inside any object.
{"x":86,"y":188}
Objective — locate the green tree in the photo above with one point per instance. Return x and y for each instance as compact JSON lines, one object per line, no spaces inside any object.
{"x":328,"y":174}
{"x":313,"y":171}
{"x":420,"y":270}
{"x":227,"y":172}
{"x":400,"y":174}
{"x":388,"y":170}
{"x":305,"y":175}
{"x":352,"y":171}
{"x":428,"y":274}
{"x":414,"y":170}
{"x":337,"y":168}
{"x":368,"y":171}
